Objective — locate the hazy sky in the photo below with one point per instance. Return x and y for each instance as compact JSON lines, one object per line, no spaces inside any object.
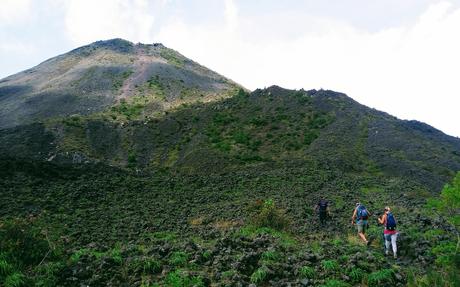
{"x":399,"y":56}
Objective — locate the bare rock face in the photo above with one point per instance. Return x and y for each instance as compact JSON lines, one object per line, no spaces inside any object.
{"x":93,"y":78}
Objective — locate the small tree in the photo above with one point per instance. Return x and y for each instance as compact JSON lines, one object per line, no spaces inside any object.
{"x":448,"y":205}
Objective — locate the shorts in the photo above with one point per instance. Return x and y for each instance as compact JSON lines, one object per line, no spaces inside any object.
{"x":362,"y":226}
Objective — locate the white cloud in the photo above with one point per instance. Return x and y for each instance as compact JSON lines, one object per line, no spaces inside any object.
{"x":409,"y":71}
{"x":14,"y":11}
{"x":87,"y":20}
{"x":16,"y":48}
{"x":231,"y":15}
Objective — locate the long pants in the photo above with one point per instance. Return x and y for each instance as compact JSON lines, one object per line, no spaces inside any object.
{"x":391,"y":239}
{"x":322,"y":216}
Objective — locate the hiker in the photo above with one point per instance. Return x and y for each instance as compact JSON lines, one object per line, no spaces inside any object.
{"x":360,"y":217}
{"x":322,"y":208}
{"x":390,"y":233}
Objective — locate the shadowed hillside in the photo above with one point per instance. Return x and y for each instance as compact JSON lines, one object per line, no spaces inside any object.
{"x":269,"y":127}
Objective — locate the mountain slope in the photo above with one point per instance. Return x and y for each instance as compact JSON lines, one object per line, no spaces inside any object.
{"x":179,"y":177}
{"x":93,"y":78}
{"x":270,"y":127}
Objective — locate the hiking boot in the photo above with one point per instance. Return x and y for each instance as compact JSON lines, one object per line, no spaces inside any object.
{"x":370,"y":241}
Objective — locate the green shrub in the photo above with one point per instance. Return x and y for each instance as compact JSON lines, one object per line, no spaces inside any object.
{"x":432,"y":233}
{"x":335,"y":283}
{"x":451,"y":278}
{"x":268,"y":215}
{"x":178,"y":258}
{"x":46,"y":274}
{"x":316,"y":247}
{"x":21,"y":243}
{"x":309,"y":136}
{"x":75,"y":257}
{"x":356,"y":275}
{"x":129,"y":110}
{"x":151,"y":265}
{"x":132,"y":158}
{"x":207,"y":254}
{"x":115,"y":254}
{"x":330,"y":265}
{"x":162,"y":236}
{"x":223,"y":146}
{"x":15,"y":280}
{"x":228,"y":274}
{"x":270,"y":255}
{"x":307,"y":272}
{"x":223,"y":118}
{"x":178,"y":279}
{"x":445,"y":253}
{"x":241,"y":137}
{"x":258,"y":121}
{"x":337,"y":242}
{"x":344,"y":258}
{"x":448,"y":204}
{"x":73,"y":121}
{"x":172,"y":57}
{"x":5,"y":268}
{"x":384,"y":277}
{"x":259,"y":275}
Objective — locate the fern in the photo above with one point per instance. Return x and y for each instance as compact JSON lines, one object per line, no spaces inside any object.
{"x":15,"y":280}
{"x":5,"y":268}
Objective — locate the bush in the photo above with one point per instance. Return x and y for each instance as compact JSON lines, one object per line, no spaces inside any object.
{"x":336,"y":283}
{"x":5,"y":268}
{"x":259,"y":275}
{"x":15,"y":280}
{"x":384,"y":277}
{"x":307,"y":272}
{"x":151,"y":265}
{"x":75,"y":257}
{"x":434,"y":279}
{"x":178,"y":258}
{"x":115,"y":254}
{"x":47,"y":274}
{"x":270,"y":255}
{"x":21,"y":243}
{"x":330,"y":265}
{"x":267,"y":215}
{"x":179,"y":279}
{"x":356,"y":275}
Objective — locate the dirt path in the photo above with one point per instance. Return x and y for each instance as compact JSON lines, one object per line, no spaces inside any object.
{"x":140,"y":68}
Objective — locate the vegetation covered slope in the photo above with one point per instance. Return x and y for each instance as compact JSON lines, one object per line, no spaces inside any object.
{"x":181,"y":178}
{"x":266,"y":128}
{"x":222,"y":194}
{"x":135,"y":79}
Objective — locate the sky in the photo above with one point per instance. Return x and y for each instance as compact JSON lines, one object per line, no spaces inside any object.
{"x":398,"y":56}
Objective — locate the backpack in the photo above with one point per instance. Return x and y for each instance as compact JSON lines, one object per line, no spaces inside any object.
{"x":391,"y":222}
{"x":322,"y":205}
{"x":363,"y":214}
